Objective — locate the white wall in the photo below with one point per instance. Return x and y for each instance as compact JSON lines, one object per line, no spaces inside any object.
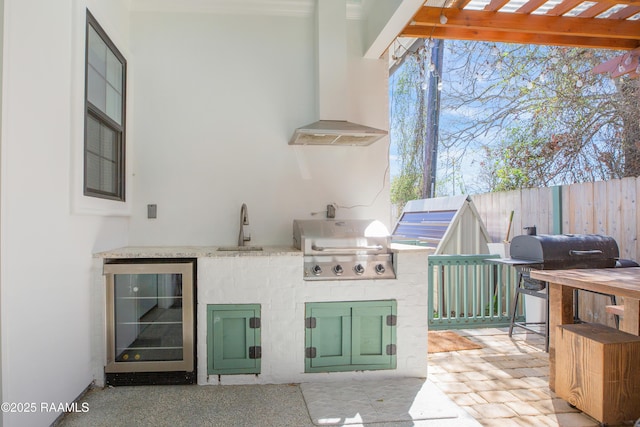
{"x":212,"y":102}
{"x":216,"y":100}
{"x":45,"y":251}
{"x":1,"y":67}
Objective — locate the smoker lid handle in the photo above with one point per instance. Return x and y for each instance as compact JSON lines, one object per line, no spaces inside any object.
{"x":346,"y":248}
{"x":589,"y":252}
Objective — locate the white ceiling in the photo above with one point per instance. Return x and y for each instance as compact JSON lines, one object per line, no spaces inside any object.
{"x":242,"y":7}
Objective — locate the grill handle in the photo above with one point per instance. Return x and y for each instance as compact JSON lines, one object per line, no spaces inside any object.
{"x":589,"y":252}
{"x":346,"y":248}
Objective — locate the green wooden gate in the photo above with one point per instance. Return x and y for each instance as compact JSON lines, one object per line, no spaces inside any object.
{"x":467,"y":291}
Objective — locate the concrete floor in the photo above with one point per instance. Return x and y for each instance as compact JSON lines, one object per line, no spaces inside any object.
{"x":224,"y":406}
{"x":503,"y":384}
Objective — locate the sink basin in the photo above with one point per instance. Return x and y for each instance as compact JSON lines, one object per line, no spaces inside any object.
{"x":240,"y":248}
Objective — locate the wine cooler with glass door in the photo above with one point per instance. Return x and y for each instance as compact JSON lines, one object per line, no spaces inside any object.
{"x":150,"y":322}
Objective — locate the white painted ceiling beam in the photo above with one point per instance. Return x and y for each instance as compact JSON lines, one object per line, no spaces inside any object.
{"x":386,"y":20}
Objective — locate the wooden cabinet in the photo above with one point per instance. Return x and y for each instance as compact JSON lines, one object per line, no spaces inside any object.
{"x":233,"y":339}
{"x":598,"y":371}
{"x":348,"y":336}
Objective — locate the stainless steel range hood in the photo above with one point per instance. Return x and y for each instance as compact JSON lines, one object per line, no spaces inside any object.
{"x":333,"y":128}
{"x":335,"y":132}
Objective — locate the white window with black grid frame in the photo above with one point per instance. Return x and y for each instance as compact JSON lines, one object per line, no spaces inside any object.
{"x":105,"y":83}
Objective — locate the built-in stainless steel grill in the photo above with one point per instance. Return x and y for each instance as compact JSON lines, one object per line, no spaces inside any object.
{"x":344,"y":249}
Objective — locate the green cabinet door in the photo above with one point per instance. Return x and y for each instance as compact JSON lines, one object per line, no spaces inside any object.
{"x":371,"y":340}
{"x":233,"y":339}
{"x":348,"y":336}
{"x":331,"y":336}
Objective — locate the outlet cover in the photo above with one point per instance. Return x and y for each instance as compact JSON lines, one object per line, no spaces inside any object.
{"x":152,"y":211}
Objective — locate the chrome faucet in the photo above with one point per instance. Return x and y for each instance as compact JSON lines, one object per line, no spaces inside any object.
{"x":244,"y":220}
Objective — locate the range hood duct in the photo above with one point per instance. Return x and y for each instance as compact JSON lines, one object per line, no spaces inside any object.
{"x":333,"y":128}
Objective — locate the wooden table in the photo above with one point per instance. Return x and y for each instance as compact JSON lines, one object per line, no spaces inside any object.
{"x":621,"y":282}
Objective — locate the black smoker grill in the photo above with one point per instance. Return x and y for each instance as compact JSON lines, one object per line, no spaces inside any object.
{"x":561,"y":251}
{"x":555,"y":252}
{"x":565,"y":251}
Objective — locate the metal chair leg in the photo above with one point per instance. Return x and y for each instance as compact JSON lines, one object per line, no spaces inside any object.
{"x":514,"y":309}
{"x":513,"y":312}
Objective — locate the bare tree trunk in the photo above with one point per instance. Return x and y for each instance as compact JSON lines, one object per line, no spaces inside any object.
{"x":433,"y":120}
{"x":419,"y":133}
{"x":630,"y":91}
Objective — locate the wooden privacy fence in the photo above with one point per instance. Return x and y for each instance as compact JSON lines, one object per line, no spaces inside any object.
{"x":467,"y":291}
{"x":605,"y":207}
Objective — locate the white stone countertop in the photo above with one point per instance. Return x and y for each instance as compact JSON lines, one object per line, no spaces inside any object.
{"x":401,"y":247}
{"x":195,"y":252}
{"x":214,"y":251}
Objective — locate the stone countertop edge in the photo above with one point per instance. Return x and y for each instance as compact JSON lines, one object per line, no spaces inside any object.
{"x":401,"y":247}
{"x":213,"y":252}
{"x":191,"y":252}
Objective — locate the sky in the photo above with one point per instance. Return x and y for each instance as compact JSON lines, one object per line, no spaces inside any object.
{"x":469,"y":169}
{"x":479,"y":65}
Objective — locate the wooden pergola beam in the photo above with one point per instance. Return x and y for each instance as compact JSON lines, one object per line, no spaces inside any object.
{"x":530,"y":6}
{"x":495,"y":5}
{"x":511,"y":36}
{"x":535,"y":24}
{"x":461,"y":4}
{"x":564,"y":7}
{"x":611,"y":66}
{"x":625,"y":13}
{"x":612,"y":3}
{"x":595,"y":10}
{"x":452,"y":21}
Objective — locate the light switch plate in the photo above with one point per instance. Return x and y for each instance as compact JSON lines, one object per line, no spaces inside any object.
{"x":152,"y":211}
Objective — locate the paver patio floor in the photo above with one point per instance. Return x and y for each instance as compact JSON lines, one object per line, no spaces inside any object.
{"x":505,"y":383}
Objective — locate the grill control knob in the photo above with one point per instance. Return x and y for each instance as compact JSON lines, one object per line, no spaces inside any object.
{"x":316,"y":270}
{"x":380,"y":268}
{"x":359,"y":269}
{"x":338,"y":270}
